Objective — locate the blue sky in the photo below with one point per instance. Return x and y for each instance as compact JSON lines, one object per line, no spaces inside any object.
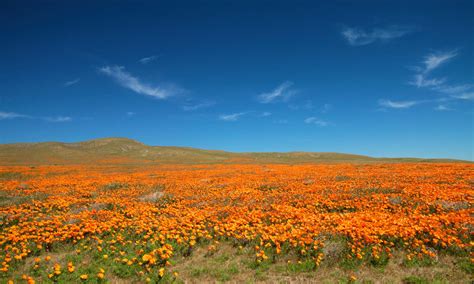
{"x":381,"y":78}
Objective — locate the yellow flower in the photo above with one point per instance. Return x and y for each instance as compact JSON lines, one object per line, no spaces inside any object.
{"x":57,"y":269}
{"x":161,"y":272}
{"x":147,"y":258}
{"x":100,"y":275}
{"x":84,"y":277}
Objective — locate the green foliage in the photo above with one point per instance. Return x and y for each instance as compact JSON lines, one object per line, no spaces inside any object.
{"x":8,"y":199}
{"x":466,"y":265}
{"x":218,"y":273}
{"x":417,"y":261}
{"x":114,"y":186}
{"x":301,"y":266}
{"x":415,"y":280}
{"x":165,"y":201}
{"x":382,"y":261}
{"x":268,"y":187}
{"x":350,"y":263}
{"x":342,"y":178}
{"x":199,"y":271}
{"x":456,"y":251}
{"x":12,"y":176}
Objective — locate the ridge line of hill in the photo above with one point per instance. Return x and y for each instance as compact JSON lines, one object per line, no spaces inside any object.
{"x":128,"y":151}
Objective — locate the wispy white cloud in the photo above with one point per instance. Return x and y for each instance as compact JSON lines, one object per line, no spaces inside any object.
{"x":434,"y":60}
{"x":359,"y":37}
{"x":12,"y":115}
{"x":456,"y":89}
{"x":146,"y":60}
{"x":57,"y":119}
{"x":128,"y":81}
{"x":282,"y":93}
{"x":316,"y":121}
{"x":421,"y":81}
{"x":442,"y":108}
{"x":464,"y":96}
{"x":231,"y":117}
{"x":198,"y":106}
{"x":72,"y":82}
{"x":130,"y":113}
{"x":431,"y":62}
{"x":398,"y":104}
{"x":265,"y":114}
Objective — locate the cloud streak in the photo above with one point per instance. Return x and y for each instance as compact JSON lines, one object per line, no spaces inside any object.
{"x":72,"y":82}
{"x":146,"y":60}
{"x":442,"y":108}
{"x":231,"y":117}
{"x":447,"y":89}
{"x":431,"y":62}
{"x":464,"y":96}
{"x":282,"y":93}
{"x":13,"y":115}
{"x":422,"y":82}
{"x":58,"y":119}
{"x":434,"y":60}
{"x":316,"y":121}
{"x":359,"y":37}
{"x":198,"y":106}
{"x":126,"y":80}
{"x":398,"y":104}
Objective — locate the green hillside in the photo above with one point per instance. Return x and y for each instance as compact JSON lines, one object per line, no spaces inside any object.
{"x":124,"y":150}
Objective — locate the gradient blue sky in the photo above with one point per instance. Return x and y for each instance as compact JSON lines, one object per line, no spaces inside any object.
{"x":382,"y":78}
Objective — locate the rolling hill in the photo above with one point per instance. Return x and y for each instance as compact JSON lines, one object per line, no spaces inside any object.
{"x":128,"y":151}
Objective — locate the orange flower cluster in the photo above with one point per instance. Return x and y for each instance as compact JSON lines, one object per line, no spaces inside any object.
{"x":156,"y":210}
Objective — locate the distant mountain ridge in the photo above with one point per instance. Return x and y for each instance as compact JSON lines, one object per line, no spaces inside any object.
{"x":124,"y":150}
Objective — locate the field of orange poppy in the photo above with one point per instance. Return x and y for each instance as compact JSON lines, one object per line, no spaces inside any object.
{"x":407,"y":222}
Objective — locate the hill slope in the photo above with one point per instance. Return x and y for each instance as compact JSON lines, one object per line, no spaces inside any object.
{"x":123,"y":150}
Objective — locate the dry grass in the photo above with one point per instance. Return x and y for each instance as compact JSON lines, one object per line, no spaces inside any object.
{"x":233,"y":265}
{"x":131,"y":152}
